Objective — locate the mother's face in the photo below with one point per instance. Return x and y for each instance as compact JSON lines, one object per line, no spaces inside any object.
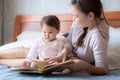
{"x":80,"y":18}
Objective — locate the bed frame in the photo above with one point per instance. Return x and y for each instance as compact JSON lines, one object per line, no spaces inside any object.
{"x":32,"y":22}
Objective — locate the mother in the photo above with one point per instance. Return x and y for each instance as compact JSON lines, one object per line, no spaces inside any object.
{"x":88,"y":38}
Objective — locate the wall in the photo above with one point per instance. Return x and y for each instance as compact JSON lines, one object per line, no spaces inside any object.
{"x":112,"y":5}
{"x":24,"y":7}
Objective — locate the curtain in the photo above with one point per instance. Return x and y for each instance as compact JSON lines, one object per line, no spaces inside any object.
{"x":1,"y":22}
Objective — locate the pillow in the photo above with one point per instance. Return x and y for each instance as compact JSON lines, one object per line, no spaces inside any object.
{"x":29,"y":35}
{"x":114,"y":48}
{"x":25,"y":43}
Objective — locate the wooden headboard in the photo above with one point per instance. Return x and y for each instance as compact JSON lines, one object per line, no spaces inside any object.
{"x":32,"y":22}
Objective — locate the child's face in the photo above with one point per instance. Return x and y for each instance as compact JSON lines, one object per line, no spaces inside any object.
{"x":49,"y":33}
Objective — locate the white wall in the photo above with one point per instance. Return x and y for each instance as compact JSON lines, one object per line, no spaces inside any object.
{"x":24,"y":7}
{"x":111,"y":5}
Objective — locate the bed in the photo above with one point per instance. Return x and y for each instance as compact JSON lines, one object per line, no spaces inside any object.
{"x":31,"y":24}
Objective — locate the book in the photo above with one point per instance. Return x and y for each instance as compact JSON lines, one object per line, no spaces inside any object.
{"x":45,"y":70}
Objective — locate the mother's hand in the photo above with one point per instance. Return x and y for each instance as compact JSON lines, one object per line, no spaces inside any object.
{"x":59,"y":58}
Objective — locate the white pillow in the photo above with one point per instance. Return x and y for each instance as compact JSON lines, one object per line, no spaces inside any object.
{"x":29,"y":35}
{"x":114,"y":48}
{"x":25,"y":43}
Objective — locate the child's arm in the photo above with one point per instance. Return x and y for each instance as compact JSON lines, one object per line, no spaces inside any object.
{"x":32,"y":54}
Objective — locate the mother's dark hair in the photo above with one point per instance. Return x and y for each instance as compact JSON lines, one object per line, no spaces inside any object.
{"x":87,"y":6}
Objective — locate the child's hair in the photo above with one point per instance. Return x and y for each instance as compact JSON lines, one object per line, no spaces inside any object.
{"x":51,"y":20}
{"x":87,"y":6}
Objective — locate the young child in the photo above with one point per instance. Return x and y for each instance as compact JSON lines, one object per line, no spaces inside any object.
{"x":46,"y":46}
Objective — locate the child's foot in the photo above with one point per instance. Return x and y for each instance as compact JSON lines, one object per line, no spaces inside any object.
{"x":66,"y":71}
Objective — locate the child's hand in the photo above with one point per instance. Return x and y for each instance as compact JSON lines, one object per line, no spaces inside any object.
{"x":26,"y":64}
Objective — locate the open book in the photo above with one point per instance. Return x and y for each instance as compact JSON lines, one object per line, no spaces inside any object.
{"x":45,"y":70}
